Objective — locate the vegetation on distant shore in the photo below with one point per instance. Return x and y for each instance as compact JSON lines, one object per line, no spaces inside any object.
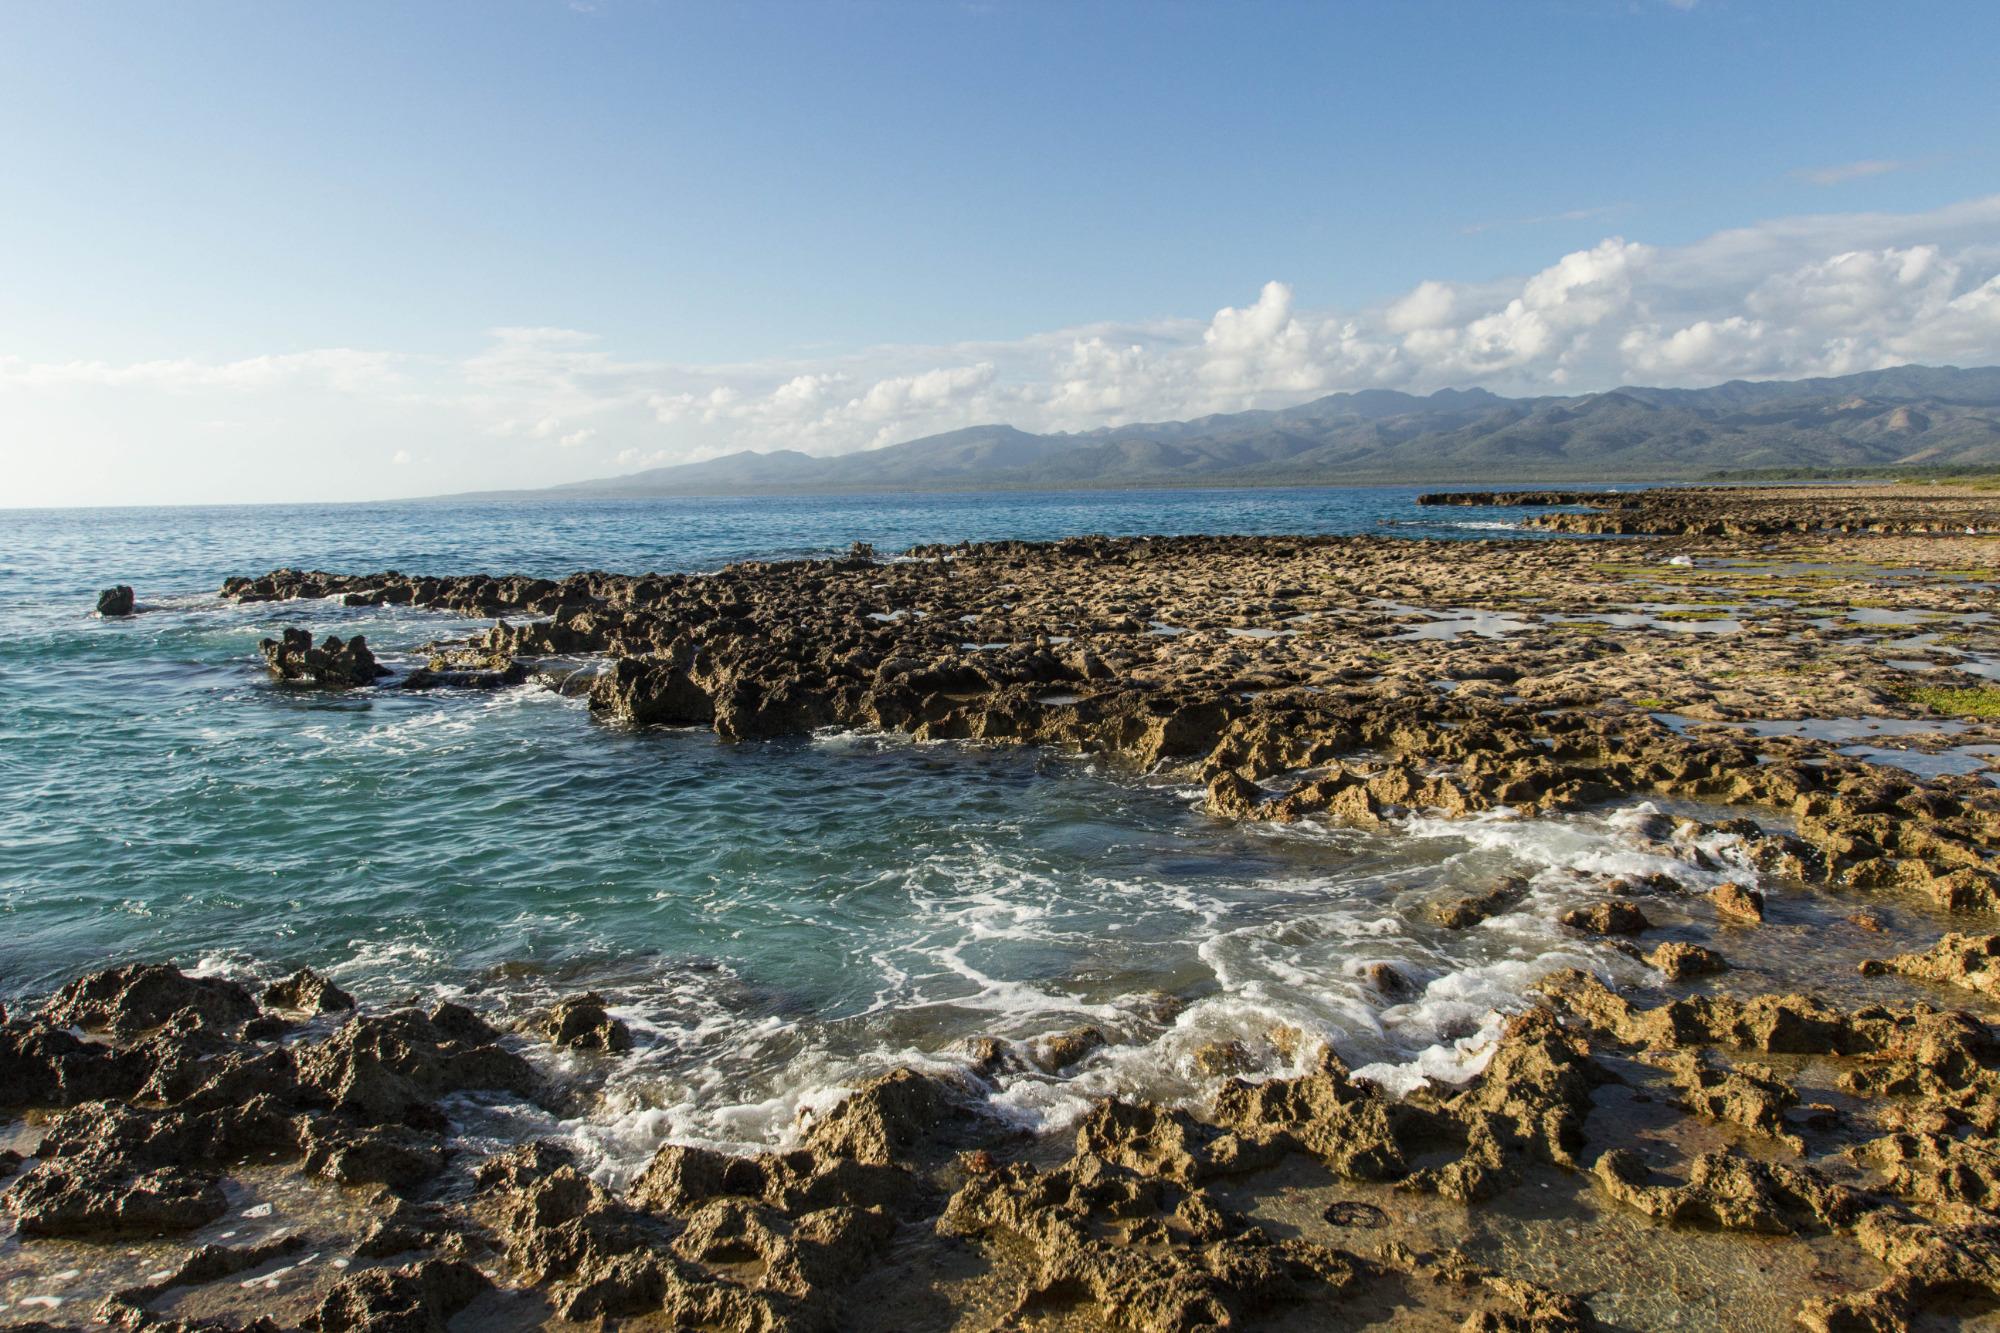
{"x":1981,"y":475}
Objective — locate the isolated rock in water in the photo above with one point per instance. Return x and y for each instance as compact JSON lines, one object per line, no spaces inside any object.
{"x":1736,"y":901}
{"x":306,"y":991}
{"x":581,"y":1023}
{"x":141,"y":996}
{"x":1063,"y":1049}
{"x":1606,"y":918}
{"x":332,"y":665}
{"x":115,"y":601}
{"x":1681,"y":960}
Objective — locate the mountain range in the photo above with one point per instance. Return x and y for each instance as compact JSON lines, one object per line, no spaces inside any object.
{"x":1939,"y":416}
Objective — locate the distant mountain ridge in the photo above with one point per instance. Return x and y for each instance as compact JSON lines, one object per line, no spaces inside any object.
{"x":1904,"y":416}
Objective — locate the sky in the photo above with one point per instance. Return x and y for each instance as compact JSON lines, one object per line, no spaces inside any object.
{"x":284,"y":251}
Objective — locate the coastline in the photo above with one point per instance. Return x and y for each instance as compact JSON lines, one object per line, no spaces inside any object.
{"x":1297,"y":680}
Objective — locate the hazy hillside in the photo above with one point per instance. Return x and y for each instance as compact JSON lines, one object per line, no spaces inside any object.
{"x":1903,"y":416}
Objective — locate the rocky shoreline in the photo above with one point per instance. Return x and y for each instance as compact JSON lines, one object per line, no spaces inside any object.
{"x":1823,"y":662}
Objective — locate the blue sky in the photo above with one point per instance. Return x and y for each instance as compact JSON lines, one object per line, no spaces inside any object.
{"x":540,"y":239}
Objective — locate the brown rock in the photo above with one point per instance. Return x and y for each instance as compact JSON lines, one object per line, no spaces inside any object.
{"x":1738,"y":903}
{"x":1606,"y":918}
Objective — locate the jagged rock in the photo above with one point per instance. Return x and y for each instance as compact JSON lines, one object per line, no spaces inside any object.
{"x":891,"y":1118}
{"x":1732,"y":1192}
{"x":1058,"y":1052}
{"x":1214,"y":1273}
{"x":581,"y":1023}
{"x":100,"y":1201}
{"x":306,"y":991}
{"x":1606,"y":918}
{"x":1350,"y":1126}
{"x":407,"y":1226}
{"x":1748,"y":1095}
{"x":651,"y":691}
{"x":1681,"y":960}
{"x":1970,"y":961}
{"x":331,"y":665}
{"x":1736,"y":902}
{"x":139,"y":996}
{"x":42,"y":1065}
{"x":395,"y":1155}
{"x":388,"y":1069}
{"x":1528,"y":1307}
{"x":418,"y":1298}
{"x":115,"y":601}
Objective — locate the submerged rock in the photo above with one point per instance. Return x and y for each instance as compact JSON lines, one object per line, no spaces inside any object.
{"x":1968,"y":961}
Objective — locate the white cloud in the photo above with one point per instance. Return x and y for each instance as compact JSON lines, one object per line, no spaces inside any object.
{"x":1820,"y":294}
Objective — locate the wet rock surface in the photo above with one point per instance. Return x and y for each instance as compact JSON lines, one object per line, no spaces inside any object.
{"x":333,"y":664}
{"x":1821,"y":1157}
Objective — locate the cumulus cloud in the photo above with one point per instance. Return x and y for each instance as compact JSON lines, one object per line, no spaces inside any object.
{"x":1820,"y":294}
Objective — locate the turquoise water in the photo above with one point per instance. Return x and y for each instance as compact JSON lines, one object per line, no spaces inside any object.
{"x":776,"y":919}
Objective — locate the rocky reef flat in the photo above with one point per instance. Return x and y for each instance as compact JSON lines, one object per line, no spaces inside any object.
{"x":1791,"y":1122}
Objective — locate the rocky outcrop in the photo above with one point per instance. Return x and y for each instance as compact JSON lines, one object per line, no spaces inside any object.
{"x":389,"y":1069}
{"x":1968,"y":961}
{"x":581,"y":1023}
{"x":307,"y":992}
{"x":129,"y":1000}
{"x":419,"y":1298}
{"x":329,"y":665}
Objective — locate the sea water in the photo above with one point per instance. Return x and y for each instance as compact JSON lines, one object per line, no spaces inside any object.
{"x":776,"y":920}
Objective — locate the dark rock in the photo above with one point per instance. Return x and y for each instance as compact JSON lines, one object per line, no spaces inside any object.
{"x":1349,"y":1213}
{"x":49,"y":1066}
{"x":100,"y":1201}
{"x":306,"y":991}
{"x":581,"y":1023}
{"x":332,"y":665}
{"x":396,"y":1155}
{"x":418,"y":1298}
{"x":389,"y":1068}
{"x":140,"y":996}
{"x":1058,"y":1052}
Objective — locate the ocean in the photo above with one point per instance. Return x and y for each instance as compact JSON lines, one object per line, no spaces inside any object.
{"x":775,"y":920}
